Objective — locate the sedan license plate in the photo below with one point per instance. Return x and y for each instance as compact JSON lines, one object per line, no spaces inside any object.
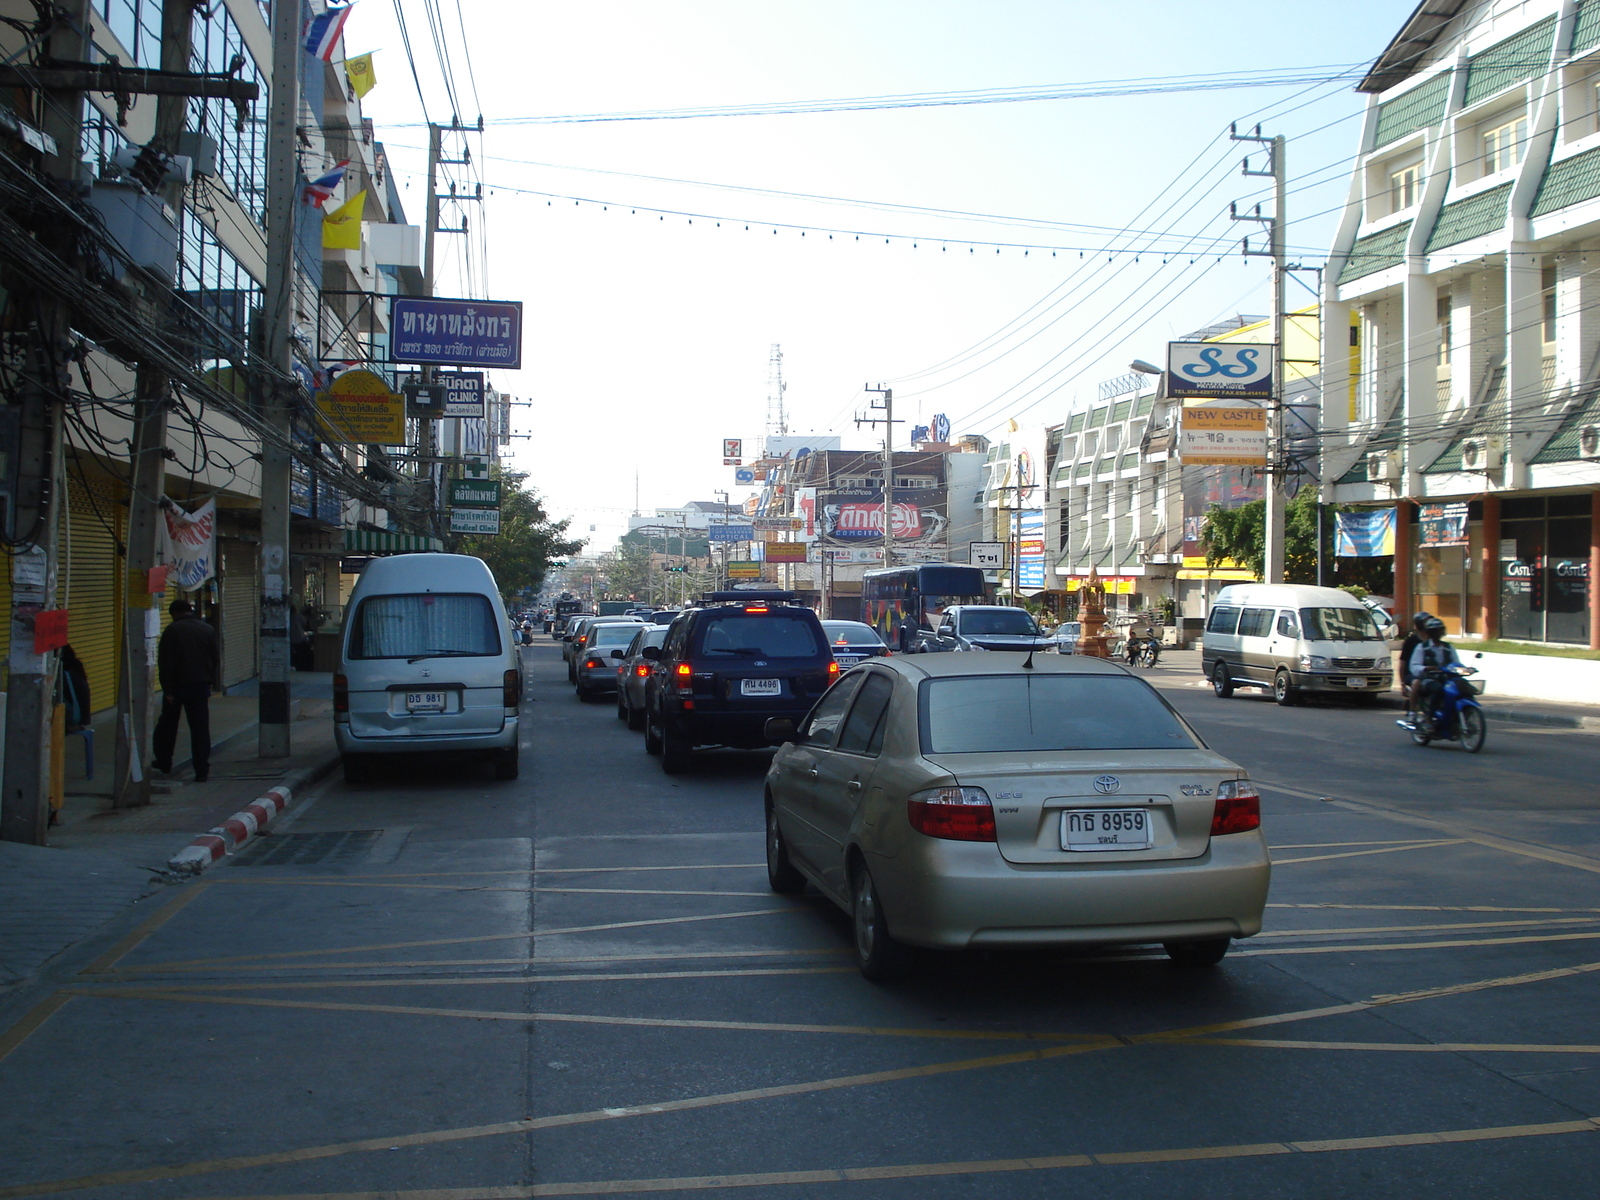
{"x":847,"y":660}
{"x":1356,"y":681}
{"x":1105,"y":829}
{"x":425,"y":702}
{"x":761,"y":687}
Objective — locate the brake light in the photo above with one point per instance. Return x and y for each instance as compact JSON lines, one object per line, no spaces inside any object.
{"x":341,"y":694}
{"x":755,"y":608}
{"x":511,"y":688}
{"x":641,"y":669}
{"x":833,"y":667}
{"x":683,"y":670}
{"x":595,"y":662}
{"x":958,"y":814}
{"x":1238,"y":808}
{"x":887,"y":654}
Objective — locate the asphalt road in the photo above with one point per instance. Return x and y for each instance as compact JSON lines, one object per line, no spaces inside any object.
{"x":441,"y":987}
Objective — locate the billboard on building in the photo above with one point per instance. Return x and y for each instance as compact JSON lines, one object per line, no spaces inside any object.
{"x":1220,"y":371}
{"x":1233,"y":437}
{"x":456,"y":333}
{"x":854,"y":517}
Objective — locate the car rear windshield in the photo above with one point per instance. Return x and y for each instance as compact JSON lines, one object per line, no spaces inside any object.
{"x":424,"y":625}
{"x":612,"y":635}
{"x":847,"y":632}
{"x":1340,"y":625}
{"x":1018,"y":713}
{"x":1000,"y":620}
{"x":769,"y":635}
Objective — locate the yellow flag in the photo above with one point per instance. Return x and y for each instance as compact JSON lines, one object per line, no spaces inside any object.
{"x":341,"y":229}
{"x":1011,"y":425}
{"x":359,"y":71}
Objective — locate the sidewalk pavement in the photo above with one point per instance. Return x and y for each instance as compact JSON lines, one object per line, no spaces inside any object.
{"x":100,"y":861}
{"x":1180,"y":667}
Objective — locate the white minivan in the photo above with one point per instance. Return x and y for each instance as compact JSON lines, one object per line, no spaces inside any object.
{"x":1292,"y":639}
{"x":427,"y":665}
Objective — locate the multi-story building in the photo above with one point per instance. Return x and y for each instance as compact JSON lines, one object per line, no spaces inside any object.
{"x":1466,"y":279}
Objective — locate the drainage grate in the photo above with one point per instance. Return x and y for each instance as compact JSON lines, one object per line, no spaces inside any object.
{"x":303,"y":849}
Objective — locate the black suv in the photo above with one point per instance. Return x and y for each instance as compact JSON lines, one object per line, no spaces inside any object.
{"x":729,"y":666}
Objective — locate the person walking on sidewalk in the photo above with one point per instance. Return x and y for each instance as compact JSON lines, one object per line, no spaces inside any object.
{"x":186,"y":665}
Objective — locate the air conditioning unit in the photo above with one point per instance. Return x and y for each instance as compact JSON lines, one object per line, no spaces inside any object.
{"x":1589,"y":441}
{"x":1480,"y":454}
{"x":1383,"y":466}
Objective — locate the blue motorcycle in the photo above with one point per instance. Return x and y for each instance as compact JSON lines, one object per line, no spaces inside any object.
{"x":1456,"y":715}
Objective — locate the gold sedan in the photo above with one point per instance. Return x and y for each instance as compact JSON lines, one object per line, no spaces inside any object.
{"x":990,"y":800}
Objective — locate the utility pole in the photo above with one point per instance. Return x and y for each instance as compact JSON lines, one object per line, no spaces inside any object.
{"x":135,"y":692}
{"x":282,"y":189}
{"x":886,"y":406}
{"x":1277,"y":470}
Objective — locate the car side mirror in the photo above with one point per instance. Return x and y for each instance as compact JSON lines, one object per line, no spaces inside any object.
{"x":780,"y":730}
{"x":618,"y":654}
{"x":653,"y":653}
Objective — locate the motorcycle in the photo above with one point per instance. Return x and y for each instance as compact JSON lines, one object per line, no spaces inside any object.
{"x":1456,"y":715}
{"x":1142,"y":651}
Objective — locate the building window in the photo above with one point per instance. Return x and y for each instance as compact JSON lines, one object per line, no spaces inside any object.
{"x":1405,"y":187}
{"x":1548,"y":296}
{"x":137,"y":25}
{"x":1443,"y":310}
{"x":241,"y":152}
{"x":915,"y":481}
{"x":1503,"y":145}
{"x":219,"y":292}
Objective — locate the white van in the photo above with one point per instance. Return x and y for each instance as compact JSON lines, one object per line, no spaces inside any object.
{"x":1292,"y":639}
{"x":427,"y":665}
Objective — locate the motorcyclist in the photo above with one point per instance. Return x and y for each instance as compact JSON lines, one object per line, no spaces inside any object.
{"x":1428,"y":661}
{"x":1413,"y":639}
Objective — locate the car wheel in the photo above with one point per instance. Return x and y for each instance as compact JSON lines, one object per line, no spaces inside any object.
{"x":581,"y":690}
{"x":677,"y":753}
{"x":782,"y":876}
{"x":1222,"y":680}
{"x":880,"y":957}
{"x":1198,"y":954}
{"x":652,"y":735}
{"x":1283,"y":689}
{"x":1472,"y":729}
{"x":505,"y":764}
{"x":635,"y":718}
{"x":357,"y":768}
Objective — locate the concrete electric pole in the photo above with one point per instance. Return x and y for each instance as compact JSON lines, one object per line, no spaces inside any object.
{"x":886,"y":406}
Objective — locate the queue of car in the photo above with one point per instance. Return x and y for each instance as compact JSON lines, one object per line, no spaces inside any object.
{"x":956,"y":801}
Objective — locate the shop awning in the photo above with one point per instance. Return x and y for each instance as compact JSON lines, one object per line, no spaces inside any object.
{"x":376,"y":541}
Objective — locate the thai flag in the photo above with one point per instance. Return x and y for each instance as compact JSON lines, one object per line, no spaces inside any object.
{"x":323,"y":33}
{"x":321,"y":189}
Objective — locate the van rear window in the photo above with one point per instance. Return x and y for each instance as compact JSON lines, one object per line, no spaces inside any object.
{"x":774,"y":635}
{"x":424,"y":625}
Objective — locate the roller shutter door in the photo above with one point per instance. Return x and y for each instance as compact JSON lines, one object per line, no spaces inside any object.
{"x":240,"y":604}
{"x":89,"y":584}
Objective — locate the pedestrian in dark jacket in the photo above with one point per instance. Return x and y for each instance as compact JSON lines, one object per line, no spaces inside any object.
{"x":186,"y":665}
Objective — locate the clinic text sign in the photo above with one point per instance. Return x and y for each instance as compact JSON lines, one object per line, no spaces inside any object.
{"x":1219,"y":370}
{"x":457,"y":333}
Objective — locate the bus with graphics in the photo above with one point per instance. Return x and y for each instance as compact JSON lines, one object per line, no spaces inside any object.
{"x":897,"y":601}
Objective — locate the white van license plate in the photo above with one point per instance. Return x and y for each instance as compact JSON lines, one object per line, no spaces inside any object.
{"x":1356,"y":681}
{"x":425,"y":702}
{"x":761,"y":687}
{"x":1105,"y":829}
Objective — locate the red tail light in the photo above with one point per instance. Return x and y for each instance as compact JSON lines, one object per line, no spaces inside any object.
{"x":1238,"y":808}
{"x":341,"y":694}
{"x":594,"y":662}
{"x":683,"y":670}
{"x":958,"y":814}
{"x":833,"y":669}
{"x":755,"y":608}
{"x":641,"y":670}
{"x":511,"y":688}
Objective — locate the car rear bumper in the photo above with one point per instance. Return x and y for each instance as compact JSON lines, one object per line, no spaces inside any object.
{"x":959,"y":894}
{"x":745,"y":729}
{"x":601,"y":679}
{"x":504,"y":739}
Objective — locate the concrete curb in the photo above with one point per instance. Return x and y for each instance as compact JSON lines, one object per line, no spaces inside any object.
{"x":245,"y":825}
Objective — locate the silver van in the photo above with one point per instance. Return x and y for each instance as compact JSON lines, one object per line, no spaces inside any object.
{"x":1292,"y":639}
{"x":426,"y":665}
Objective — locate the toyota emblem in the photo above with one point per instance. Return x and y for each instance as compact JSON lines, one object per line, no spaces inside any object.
{"x":1106,"y":784}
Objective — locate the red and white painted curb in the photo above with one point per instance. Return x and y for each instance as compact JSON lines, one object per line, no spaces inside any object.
{"x":234,"y":833}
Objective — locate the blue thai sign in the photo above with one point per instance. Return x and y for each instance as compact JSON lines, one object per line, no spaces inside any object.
{"x":730,"y":533}
{"x":456,"y":333}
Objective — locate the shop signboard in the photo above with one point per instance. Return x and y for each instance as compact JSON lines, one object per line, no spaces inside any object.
{"x":1234,"y":437}
{"x":1219,"y":370}
{"x":475,"y":493}
{"x":785,"y":552}
{"x":1030,"y":550}
{"x":1442,"y":524}
{"x":744,"y":569}
{"x":463,"y":393}
{"x":730,"y":533}
{"x":456,"y":333}
{"x":854,"y":517}
{"x":360,"y":408}
{"x":987,"y":554}
{"x":480,"y":522}
{"x":780,"y":524}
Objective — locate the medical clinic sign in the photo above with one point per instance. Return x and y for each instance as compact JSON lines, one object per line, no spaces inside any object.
{"x":456,"y":333}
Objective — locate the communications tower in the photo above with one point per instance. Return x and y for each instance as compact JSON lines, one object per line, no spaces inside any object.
{"x":777,"y":422}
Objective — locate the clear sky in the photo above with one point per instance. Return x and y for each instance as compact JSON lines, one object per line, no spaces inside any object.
{"x":647,"y":334}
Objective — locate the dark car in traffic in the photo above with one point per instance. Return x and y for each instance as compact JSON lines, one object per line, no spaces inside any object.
{"x":853,"y":641}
